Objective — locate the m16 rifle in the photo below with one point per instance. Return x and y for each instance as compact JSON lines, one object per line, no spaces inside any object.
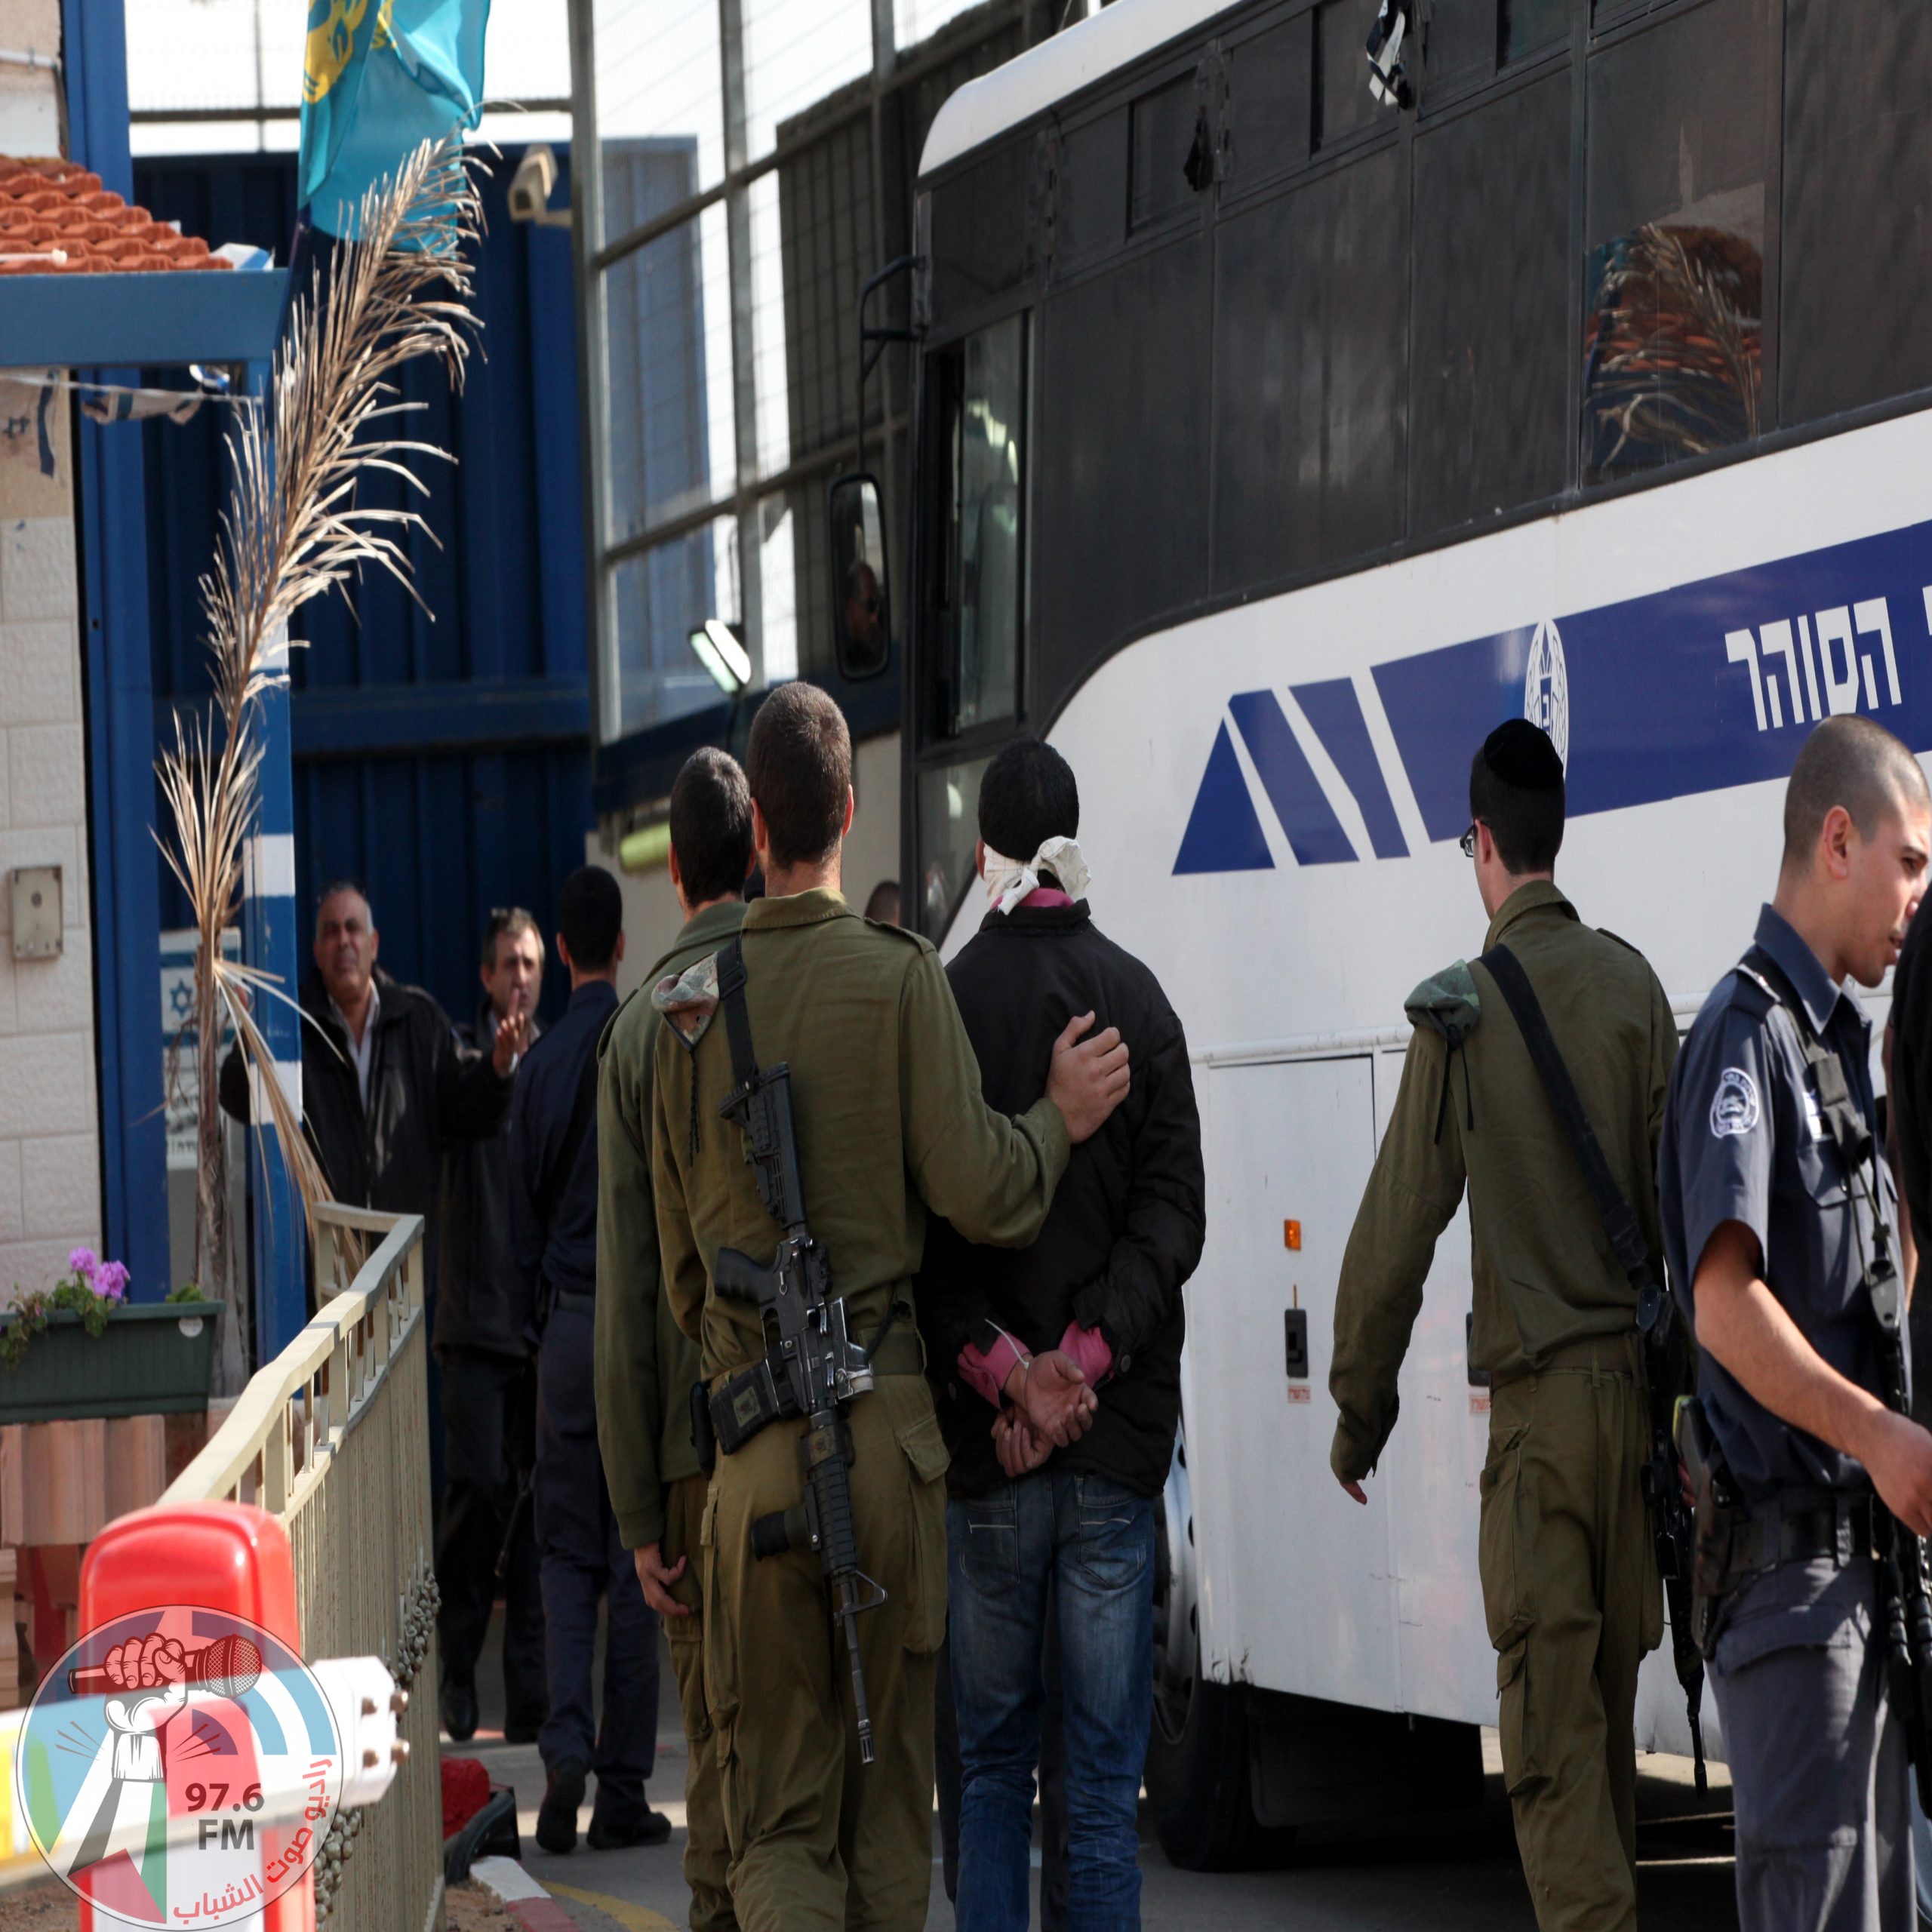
{"x":1673,"y":1528}
{"x":1905,"y":1597}
{"x":811,"y":1366}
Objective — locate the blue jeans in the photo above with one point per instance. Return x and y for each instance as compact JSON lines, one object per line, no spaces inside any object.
{"x":1093,"y":1540}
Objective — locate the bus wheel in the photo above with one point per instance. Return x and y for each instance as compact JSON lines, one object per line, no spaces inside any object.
{"x":1197,"y":1773}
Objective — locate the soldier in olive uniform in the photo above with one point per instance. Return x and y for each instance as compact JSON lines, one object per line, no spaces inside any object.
{"x":646,"y":1365}
{"x":1569,"y":1574}
{"x":890,"y":1122}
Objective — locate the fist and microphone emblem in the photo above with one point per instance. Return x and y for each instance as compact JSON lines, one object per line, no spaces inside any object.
{"x":182,"y":1766}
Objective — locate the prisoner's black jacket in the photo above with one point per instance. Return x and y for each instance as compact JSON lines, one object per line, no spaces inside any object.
{"x":1125,"y":1229}
{"x":425,"y":1092}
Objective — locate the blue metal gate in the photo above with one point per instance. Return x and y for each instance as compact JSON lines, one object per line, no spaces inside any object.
{"x":442,"y":757}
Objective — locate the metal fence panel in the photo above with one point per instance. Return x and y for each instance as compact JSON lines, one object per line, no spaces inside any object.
{"x":332,"y":1436}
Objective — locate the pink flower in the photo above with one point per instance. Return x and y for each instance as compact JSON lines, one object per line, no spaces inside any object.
{"x":84,"y":1261}
{"x":111,"y":1281}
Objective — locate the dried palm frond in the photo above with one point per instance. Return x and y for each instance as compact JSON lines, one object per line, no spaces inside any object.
{"x":294,"y":527}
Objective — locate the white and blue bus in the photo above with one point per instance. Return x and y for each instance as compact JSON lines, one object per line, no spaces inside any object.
{"x":1273,"y":445}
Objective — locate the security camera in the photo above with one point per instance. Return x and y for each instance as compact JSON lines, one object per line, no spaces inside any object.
{"x":530,"y":188}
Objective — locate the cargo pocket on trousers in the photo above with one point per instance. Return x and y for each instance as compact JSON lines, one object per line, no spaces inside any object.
{"x":1516,"y":1717}
{"x":927,"y":1463}
{"x":719,"y":1641}
{"x":1506,"y":1587}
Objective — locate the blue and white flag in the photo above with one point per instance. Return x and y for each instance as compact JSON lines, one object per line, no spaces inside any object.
{"x":380,"y":77}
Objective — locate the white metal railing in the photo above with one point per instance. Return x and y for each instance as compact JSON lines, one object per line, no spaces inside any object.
{"x":332,"y":1436}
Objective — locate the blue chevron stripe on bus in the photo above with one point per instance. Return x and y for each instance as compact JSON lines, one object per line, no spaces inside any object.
{"x":1706,"y":685}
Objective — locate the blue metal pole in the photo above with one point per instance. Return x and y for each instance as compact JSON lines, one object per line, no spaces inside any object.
{"x":112,"y":529}
{"x":272,"y":943}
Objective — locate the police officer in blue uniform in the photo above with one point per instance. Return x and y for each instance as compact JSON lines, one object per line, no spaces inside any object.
{"x":553,"y":1222}
{"x":1771,"y":1229}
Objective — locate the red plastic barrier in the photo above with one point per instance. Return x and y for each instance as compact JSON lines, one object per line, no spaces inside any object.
{"x":466,"y":1792}
{"x":224,"y":1556}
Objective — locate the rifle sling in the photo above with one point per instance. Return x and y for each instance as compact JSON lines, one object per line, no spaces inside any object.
{"x":1619,"y":1219}
{"x":737,"y":1021}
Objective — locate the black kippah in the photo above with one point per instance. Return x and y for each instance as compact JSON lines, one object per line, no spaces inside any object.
{"x":1521,"y":754}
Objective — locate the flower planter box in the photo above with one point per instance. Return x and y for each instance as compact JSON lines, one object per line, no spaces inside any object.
{"x":155,"y":1358}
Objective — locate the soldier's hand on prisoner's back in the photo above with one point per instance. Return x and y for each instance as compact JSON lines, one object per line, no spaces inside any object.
{"x":1897,"y":1456}
{"x":512,"y":1036}
{"x":1088,"y":1078}
{"x":656,"y":1580}
{"x":1049,"y":1390}
{"x":1020,"y":1451}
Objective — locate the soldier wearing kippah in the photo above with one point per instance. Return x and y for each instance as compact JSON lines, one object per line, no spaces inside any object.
{"x":1570,"y":1581}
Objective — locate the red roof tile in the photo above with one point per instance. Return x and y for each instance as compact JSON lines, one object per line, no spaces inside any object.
{"x":56,"y":218}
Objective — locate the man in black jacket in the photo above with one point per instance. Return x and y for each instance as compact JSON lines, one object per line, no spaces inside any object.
{"x":385,"y":1086}
{"x":1097,"y":1298}
{"x":386,"y":1089}
{"x":483,"y":1344}
{"x":553,"y":1225}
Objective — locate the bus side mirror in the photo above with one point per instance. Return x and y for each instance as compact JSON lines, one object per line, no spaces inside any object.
{"x":861,"y":605}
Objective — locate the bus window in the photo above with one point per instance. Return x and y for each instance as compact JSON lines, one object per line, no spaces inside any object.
{"x":986,"y":472}
{"x":1271,"y":97}
{"x":1679,"y":132}
{"x":949,"y":828}
{"x":1490,"y":337}
{"x":1529,"y":26}
{"x":1163,"y":133}
{"x":1343,"y":105}
{"x":1310,"y":330}
{"x":1856,"y":246}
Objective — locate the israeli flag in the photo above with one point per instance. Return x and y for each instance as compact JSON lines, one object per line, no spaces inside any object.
{"x":380,"y":77}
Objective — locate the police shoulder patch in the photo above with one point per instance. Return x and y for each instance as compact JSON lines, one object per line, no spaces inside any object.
{"x":688,"y":1000}
{"x":1734,"y":1107}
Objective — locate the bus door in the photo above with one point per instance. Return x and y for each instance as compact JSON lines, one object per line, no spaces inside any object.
{"x":968,"y":662}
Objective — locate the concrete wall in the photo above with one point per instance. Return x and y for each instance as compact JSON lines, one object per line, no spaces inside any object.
{"x":50,"y":1139}
{"x":651,"y":919}
{"x":49,"y":1143}
{"x":29,"y":94}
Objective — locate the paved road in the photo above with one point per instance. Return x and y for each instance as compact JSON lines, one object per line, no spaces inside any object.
{"x":1452,"y":1873}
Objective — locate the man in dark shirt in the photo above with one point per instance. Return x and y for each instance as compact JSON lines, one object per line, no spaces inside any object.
{"x":553,"y":1220}
{"x":1092,"y":1311}
{"x":483,"y":1320}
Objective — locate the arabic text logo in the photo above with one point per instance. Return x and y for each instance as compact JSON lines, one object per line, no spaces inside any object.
{"x":180,"y":1767}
